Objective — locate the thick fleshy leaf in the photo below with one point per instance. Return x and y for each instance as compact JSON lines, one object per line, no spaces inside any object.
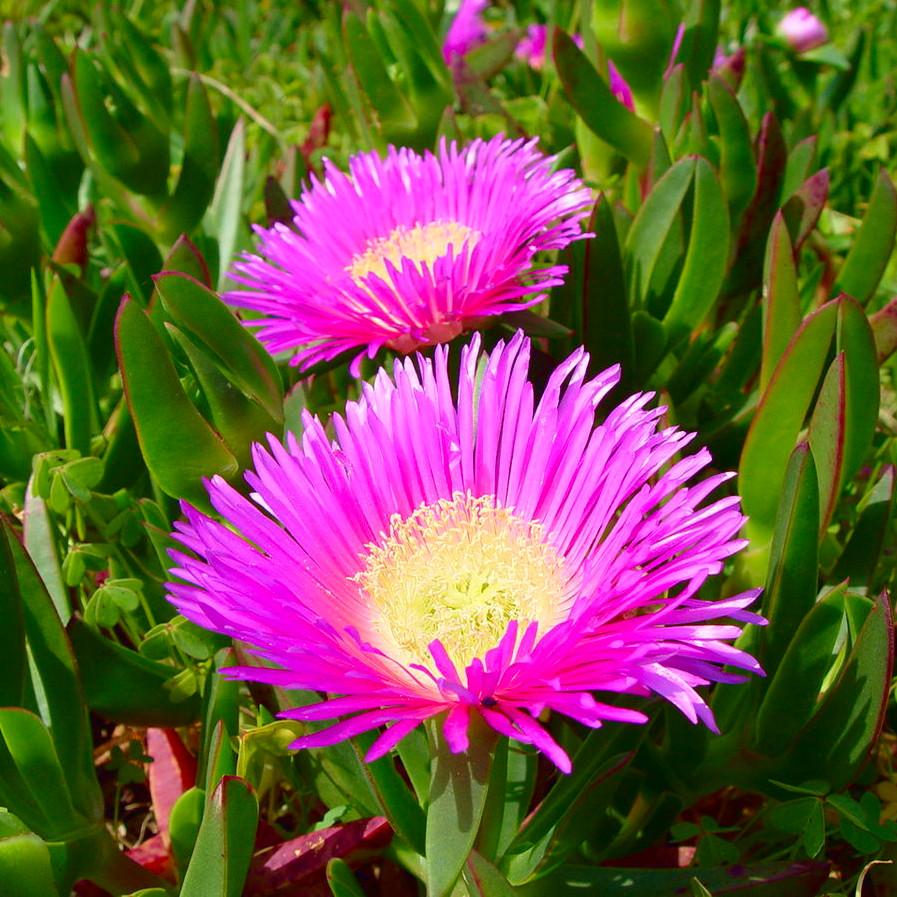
{"x":126,"y":145}
{"x":859,"y":560}
{"x":124,"y":686}
{"x":32,"y":781}
{"x":457,"y":797}
{"x":568,"y":813}
{"x":184,"y":821}
{"x":781,"y":299}
{"x":54,"y":674}
{"x":780,"y":417}
{"x":199,"y":168}
{"x":794,"y":687}
{"x":224,"y":216}
{"x":738,"y":168}
{"x":872,"y":247}
{"x":855,"y":338}
{"x":239,"y":355}
{"x":652,"y":226}
{"x":706,"y":260}
{"x":801,"y":161}
{"x":827,"y":438}
{"x":341,"y":879}
{"x":593,"y":100}
{"x":12,"y":633}
{"x":884,"y":330}
{"x":837,"y":740}
{"x":178,"y":445}
{"x":238,"y":419}
{"x":700,"y":38}
{"x":40,"y":543}
{"x":224,"y":846}
{"x":747,"y":261}
{"x":73,"y":371}
{"x":24,"y":860}
{"x":394,"y":113}
{"x":791,"y":586}
{"x":802,"y":209}
{"x":674,"y":103}
{"x":221,"y":710}
{"x":484,"y":880}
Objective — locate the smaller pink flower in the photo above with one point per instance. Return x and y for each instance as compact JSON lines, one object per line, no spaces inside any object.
{"x":531,"y":47}
{"x":466,"y":31}
{"x":620,"y":89}
{"x":801,"y":30}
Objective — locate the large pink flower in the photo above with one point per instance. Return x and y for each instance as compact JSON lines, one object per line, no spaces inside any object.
{"x":410,"y":250}
{"x":468,"y":548}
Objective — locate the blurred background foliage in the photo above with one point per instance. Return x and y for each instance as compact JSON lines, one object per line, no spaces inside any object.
{"x":743,"y":268}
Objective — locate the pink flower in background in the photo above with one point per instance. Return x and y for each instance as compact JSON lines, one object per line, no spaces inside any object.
{"x":531,"y":47}
{"x":801,"y":30}
{"x":409,"y":250}
{"x":618,"y":86}
{"x":484,"y":550}
{"x":466,"y":31}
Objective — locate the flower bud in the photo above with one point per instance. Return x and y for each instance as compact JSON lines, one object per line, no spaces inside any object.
{"x":801,"y":30}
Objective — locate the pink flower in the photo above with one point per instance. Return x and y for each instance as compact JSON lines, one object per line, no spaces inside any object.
{"x":472,"y":548}
{"x":531,"y":47}
{"x":801,"y":30}
{"x":466,"y":31}
{"x":410,"y":250}
{"x":618,"y":86}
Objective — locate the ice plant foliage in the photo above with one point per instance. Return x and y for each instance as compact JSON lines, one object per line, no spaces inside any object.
{"x":490,"y":553}
{"x":410,"y":250}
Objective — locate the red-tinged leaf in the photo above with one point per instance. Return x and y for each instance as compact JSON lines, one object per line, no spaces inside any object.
{"x":827,"y":437}
{"x":780,"y":417}
{"x":748,"y":255}
{"x":153,"y":855}
{"x":884,"y":330}
{"x":800,"y":164}
{"x":592,"y":99}
{"x":873,"y":244}
{"x":185,"y":258}
{"x":72,"y":246}
{"x":178,"y":445}
{"x":803,"y":208}
{"x":303,"y":860}
{"x":855,"y":338}
{"x":484,"y":880}
{"x":318,"y":133}
{"x":171,"y":773}
{"x":781,"y":298}
{"x":224,"y":845}
{"x":738,"y":168}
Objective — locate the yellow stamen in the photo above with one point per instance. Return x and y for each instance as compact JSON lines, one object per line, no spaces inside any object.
{"x":422,"y":244}
{"x":459,"y":571}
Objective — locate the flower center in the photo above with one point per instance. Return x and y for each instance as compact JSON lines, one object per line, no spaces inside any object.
{"x":421,"y":244}
{"x":459,"y":571}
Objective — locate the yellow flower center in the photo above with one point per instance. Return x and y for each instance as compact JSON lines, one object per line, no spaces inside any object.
{"x":459,"y":571}
{"x":422,"y":244}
